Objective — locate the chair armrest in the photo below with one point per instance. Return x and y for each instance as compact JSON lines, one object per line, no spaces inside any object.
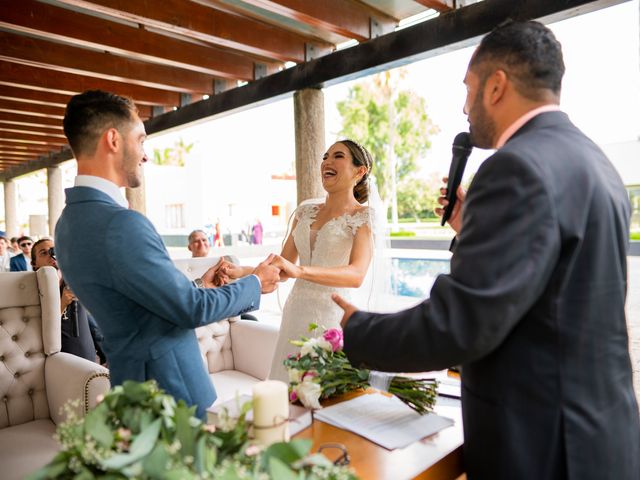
{"x":253,"y":345}
{"x":68,"y":377}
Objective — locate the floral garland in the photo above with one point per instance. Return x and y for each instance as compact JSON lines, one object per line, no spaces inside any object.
{"x":138,"y":431}
{"x":321,"y":370}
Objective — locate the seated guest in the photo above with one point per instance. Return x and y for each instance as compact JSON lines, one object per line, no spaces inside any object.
{"x":77,"y":336}
{"x":5,"y":256}
{"x":198,"y":244}
{"x":21,"y":262}
{"x":14,"y":249}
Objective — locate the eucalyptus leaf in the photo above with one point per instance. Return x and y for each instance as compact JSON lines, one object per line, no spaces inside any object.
{"x":184,"y":430}
{"x":95,"y":425}
{"x":141,"y":446}
{"x":280,"y":470}
{"x":155,"y":464}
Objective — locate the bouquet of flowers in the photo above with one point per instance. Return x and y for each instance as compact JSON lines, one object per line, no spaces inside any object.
{"x":138,"y":431}
{"x":321,"y":370}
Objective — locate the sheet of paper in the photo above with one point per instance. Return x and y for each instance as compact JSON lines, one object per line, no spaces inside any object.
{"x":383,"y":420}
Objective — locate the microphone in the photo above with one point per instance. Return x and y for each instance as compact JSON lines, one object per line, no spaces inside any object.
{"x":461,"y":149}
{"x":73,"y":317}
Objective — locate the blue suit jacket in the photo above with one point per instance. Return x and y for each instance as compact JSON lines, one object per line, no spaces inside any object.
{"x":116,"y":263}
{"x":18,"y":263}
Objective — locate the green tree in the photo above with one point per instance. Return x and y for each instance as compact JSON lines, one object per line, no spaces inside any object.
{"x":418,"y":197}
{"x":175,"y":156}
{"x":392,"y":123}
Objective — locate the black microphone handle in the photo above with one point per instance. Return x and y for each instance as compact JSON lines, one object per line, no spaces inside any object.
{"x":73,"y":317}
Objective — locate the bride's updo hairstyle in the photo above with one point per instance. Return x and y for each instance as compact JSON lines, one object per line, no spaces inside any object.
{"x":361,"y":158}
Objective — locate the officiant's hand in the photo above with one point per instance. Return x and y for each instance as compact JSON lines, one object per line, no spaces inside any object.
{"x":455,"y":220}
{"x":268,"y":274}
{"x":287,"y":269}
{"x":348,"y":308}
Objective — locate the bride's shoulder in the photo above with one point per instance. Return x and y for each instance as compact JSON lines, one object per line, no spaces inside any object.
{"x":362,"y":216}
{"x":306,"y":210}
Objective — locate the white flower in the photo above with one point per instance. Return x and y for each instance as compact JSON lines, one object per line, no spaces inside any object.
{"x":308,"y":348}
{"x":295,"y":375}
{"x":309,"y":393}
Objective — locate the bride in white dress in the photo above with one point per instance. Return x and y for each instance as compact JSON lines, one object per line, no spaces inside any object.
{"x":333,"y":241}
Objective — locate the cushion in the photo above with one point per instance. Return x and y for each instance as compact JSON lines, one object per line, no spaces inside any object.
{"x":228,"y":382}
{"x":25,"y":448}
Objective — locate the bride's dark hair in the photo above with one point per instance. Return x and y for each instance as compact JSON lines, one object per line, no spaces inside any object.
{"x":361,"y":158}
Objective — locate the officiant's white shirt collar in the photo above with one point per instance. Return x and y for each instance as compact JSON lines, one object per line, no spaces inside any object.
{"x":104,"y":186}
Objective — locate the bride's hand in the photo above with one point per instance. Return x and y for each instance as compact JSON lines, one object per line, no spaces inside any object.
{"x":287,"y":269}
{"x":231,"y":270}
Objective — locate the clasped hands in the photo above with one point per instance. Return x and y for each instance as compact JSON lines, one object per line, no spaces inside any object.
{"x":270,"y":271}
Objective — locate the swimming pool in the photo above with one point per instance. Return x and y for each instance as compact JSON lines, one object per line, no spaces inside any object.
{"x":414,"y":277}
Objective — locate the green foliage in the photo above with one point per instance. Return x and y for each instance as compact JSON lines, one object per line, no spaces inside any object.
{"x":137,"y":431}
{"x":635,"y":236}
{"x":378,"y":113}
{"x":403,"y":233}
{"x":174,"y":156}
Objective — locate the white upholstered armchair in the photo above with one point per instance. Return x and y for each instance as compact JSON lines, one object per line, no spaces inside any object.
{"x":36,"y":379}
{"x":237,"y":353}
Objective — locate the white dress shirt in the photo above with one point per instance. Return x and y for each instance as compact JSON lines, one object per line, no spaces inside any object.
{"x":104,"y":186}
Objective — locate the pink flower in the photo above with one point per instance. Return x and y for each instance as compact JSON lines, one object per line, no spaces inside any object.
{"x":293,"y":396}
{"x":208,"y":427}
{"x":334,"y":337}
{"x":309,"y":374}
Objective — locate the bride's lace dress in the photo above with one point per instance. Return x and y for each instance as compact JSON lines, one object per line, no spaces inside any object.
{"x":308,"y":302}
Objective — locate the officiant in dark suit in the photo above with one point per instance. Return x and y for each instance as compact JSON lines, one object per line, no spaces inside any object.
{"x":533,"y":308}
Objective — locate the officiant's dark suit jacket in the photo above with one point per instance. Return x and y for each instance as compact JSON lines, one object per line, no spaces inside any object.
{"x":533,"y":310}
{"x":116,"y":264}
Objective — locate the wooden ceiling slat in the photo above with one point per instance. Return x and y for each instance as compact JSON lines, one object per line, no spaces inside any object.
{"x":204,"y":23}
{"x":48,"y":111}
{"x":22,"y":108}
{"x":63,"y":58}
{"x":438,"y":5}
{"x":347,"y":18}
{"x":32,"y":130}
{"x":25,"y":76}
{"x":29,"y":120}
{"x":35,"y":18}
{"x":15,"y":158}
{"x":17,"y":153}
{"x":37,"y":139}
{"x":14,"y":145}
{"x":34,"y":96}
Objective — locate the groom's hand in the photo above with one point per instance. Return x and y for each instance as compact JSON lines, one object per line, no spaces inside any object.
{"x":268,"y":274}
{"x":211,"y":277}
{"x":348,"y":308}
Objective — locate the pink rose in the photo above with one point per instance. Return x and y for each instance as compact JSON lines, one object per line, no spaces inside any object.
{"x":310,"y":374}
{"x":293,"y":396}
{"x":334,"y":337}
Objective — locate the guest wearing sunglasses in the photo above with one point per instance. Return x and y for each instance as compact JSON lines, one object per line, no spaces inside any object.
{"x":78,"y":336}
{"x":21,"y":262}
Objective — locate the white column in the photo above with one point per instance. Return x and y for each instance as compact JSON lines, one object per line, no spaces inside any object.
{"x":56,"y":202}
{"x":136,"y":198}
{"x":308,"y":108}
{"x":11,"y":208}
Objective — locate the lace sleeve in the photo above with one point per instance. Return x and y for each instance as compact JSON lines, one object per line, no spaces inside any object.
{"x":305,"y":211}
{"x":363,"y":217}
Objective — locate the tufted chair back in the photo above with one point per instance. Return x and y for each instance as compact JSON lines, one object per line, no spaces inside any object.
{"x":29,"y":332}
{"x":215,"y":345}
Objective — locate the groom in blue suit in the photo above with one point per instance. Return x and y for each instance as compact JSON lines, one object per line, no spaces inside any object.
{"x":116,"y":263}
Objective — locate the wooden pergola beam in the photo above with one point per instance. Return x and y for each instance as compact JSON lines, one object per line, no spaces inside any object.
{"x":37,"y":139}
{"x":207,"y":24}
{"x":48,"y":111}
{"x":344,"y":17}
{"x":63,"y":58}
{"x":29,"y":120}
{"x":50,"y":22}
{"x":438,"y":5}
{"x":21,"y":146}
{"x":25,"y":76}
{"x":32,"y":130}
{"x":38,"y":97}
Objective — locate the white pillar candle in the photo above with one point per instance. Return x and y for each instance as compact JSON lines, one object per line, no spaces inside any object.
{"x":271,"y":412}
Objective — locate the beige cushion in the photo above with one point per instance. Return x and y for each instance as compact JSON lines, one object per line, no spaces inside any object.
{"x":253,"y":346}
{"x":228,"y":383}
{"x":25,"y":448}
